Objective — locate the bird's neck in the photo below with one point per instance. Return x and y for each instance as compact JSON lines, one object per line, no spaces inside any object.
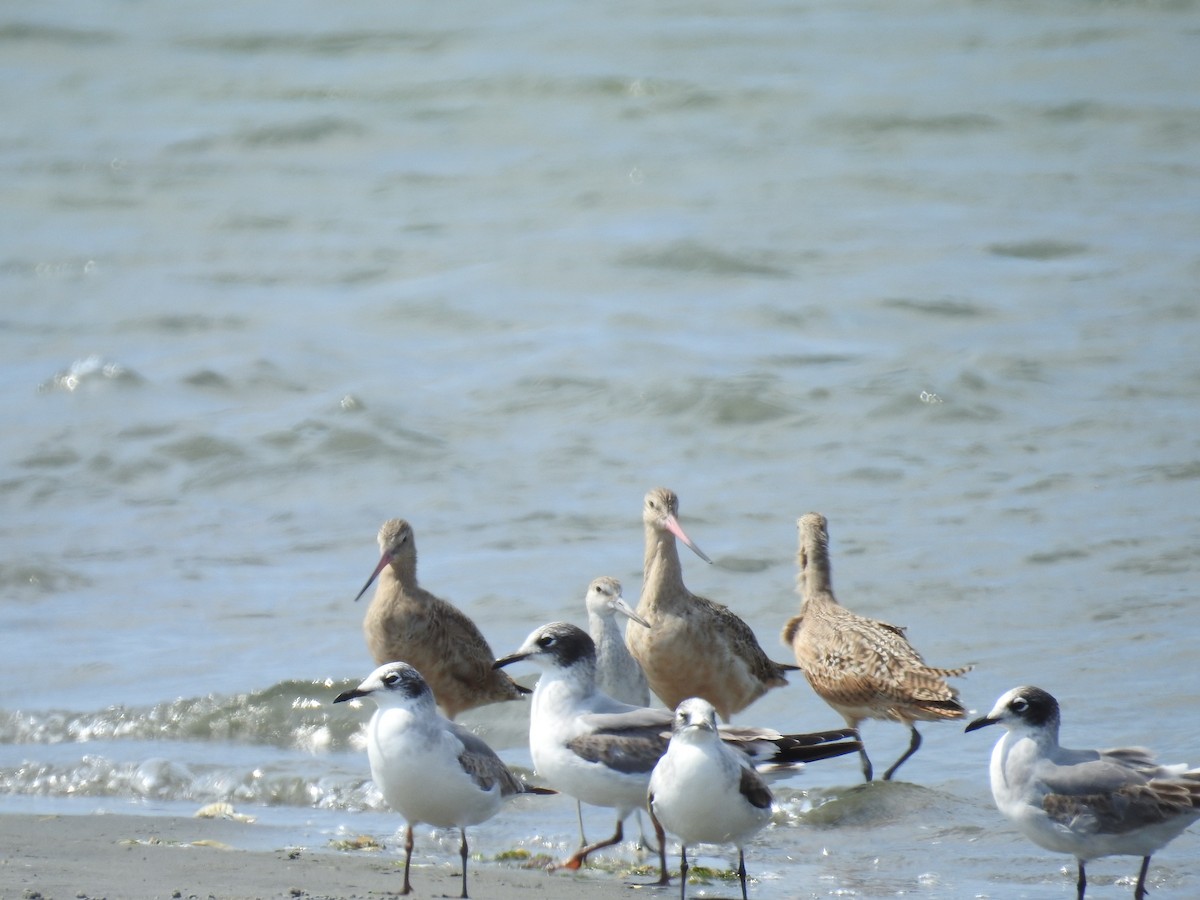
{"x":403,"y":573}
{"x":815,"y":579}
{"x":390,"y":721}
{"x":559,"y":691}
{"x":1013,"y":765}
{"x":602,"y":629}
{"x":662,"y":573}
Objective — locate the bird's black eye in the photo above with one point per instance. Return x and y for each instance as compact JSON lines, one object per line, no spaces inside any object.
{"x":391,"y":678}
{"x":546,"y":640}
{"x":1019,"y":705}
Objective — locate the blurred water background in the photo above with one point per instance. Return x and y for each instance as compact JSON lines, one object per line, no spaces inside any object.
{"x":275,"y":272}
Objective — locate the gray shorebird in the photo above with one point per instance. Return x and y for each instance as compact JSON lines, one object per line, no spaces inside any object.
{"x":1088,"y":803}
{"x":863,"y":668}
{"x":406,"y":622}
{"x":693,"y":647}
{"x":429,"y":769}
{"x":617,"y":672}
{"x":705,"y":792}
{"x":587,"y":745}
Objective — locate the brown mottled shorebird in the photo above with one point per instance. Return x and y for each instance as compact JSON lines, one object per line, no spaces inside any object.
{"x":693,"y":647}
{"x":407,"y":623}
{"x":863,"y":668}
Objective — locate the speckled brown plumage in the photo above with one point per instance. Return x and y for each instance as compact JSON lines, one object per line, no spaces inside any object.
{"x":693,"y":647}
{"x":406,"y":623}
{"x":863,"y":668}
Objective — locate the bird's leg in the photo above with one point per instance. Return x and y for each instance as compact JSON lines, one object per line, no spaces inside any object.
{"x":912,"y":748}
{"x":868,"y":772}
{"x":1139,"y":892}
{"x":660,"y":835}
{"x":683,"y":870}
{"x":408,"y":847}
{"x":580,"y":855}
{"x":462,"y":851}
{"x":643,"y":841}
{"x":1081,"y":884}
{"x":579,"y":815}
{"x":741,"y":870}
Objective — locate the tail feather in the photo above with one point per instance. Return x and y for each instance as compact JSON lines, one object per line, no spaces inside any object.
{"x":817,"y":751}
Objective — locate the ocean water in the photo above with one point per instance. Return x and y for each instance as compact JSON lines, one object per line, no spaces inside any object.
{"x":273,"y":273}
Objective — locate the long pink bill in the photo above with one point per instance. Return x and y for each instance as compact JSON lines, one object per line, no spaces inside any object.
{"x":674,"y":527}
{"x":383,"y":561}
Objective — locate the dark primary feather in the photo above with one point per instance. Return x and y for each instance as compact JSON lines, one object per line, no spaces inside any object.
{"x":754,"y":789}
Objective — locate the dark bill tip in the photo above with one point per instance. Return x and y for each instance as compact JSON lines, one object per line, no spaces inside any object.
{"x":511,"y":658}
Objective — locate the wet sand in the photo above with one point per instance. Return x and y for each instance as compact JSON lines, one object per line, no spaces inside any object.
{"x":135,"y":857}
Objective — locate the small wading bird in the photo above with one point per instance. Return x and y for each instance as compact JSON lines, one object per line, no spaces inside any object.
{"x":429,"y":769}
{"x":705,"y":792}
{"x":405,"y":621}
{"x":693,"y":647}
{"x":1088,"y":803}
{"x":863,"y":668}
{"x":587,"y":745}
{"x":617,"y":673}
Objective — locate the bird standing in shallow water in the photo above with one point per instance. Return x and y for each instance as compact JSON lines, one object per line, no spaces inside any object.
{"x":693,"y":647}
{"x":705,"y":792}
{"x":589,"y":746}
{"x":407,"y":622}
{"x":617,"y":672}
{"x":427,"y":768}
{"x":1088,"y":803}
{"x":863,"y":668}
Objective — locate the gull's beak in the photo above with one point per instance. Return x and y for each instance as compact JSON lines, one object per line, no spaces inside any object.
{"x":981,"y":722}
{"x":352,"y":694}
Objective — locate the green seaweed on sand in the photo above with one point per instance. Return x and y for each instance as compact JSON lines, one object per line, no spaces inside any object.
{"x":362,"y":842}
{"x":524,"y":859}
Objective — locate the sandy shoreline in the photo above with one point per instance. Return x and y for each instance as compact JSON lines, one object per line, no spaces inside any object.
{"x":122,"y":856}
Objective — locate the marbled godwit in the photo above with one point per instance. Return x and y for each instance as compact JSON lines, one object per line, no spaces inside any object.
{"x":427,"y":768}
{"x":705,"y":792}
{"x":863,"y":668}
{"x":694,"y":647}
{"x":1088,"y":803}
{"x":589,"y":746}
{"x":617,"y":672}
{"x":406,"y":622}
